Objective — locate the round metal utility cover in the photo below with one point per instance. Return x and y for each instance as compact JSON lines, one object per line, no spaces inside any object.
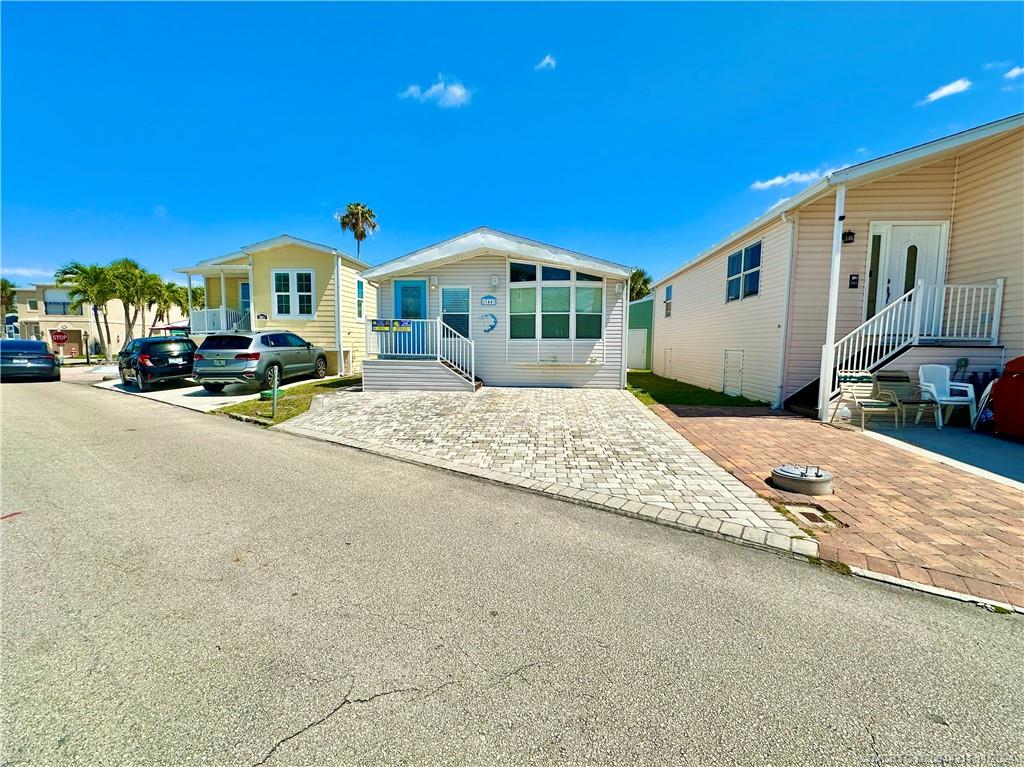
{"x":809,"y":480}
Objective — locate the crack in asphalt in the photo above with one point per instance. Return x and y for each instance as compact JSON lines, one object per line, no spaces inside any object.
{"x":347,"y":701}
{"x":517,"y":672}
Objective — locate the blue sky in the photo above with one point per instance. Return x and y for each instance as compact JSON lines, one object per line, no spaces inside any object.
{"x":175,"y":132}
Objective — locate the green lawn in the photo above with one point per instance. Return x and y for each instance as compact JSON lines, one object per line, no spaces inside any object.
{"x":655,"y":390}
{"x":290,"y":402}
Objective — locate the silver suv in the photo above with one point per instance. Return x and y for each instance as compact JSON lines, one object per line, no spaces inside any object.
{"x":265,"y":357}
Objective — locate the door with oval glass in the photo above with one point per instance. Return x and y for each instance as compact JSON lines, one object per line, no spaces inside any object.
{"x":900,"y":255}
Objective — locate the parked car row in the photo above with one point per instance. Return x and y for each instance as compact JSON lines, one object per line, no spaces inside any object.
{"x":265,"y":358}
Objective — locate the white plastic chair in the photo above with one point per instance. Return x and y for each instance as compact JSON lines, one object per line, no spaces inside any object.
{"x":936,"y":386}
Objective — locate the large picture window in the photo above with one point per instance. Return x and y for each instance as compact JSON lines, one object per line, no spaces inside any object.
{"x":292,"y":293}
{"x":743,"y":278}
{"x":554,"y":303}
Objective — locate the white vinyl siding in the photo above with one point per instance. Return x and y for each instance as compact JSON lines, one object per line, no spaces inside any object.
{"x":690,"y":341}
{"x":500,"y":362}
{"x":987,"y":235}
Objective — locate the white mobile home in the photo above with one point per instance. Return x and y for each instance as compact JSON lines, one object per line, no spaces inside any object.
{"x":492,"y":308}
{"x":914,"y":257}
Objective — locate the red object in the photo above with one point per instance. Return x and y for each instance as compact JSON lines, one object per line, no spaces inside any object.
{"x":1008,"y":399}
{"x":198,"y":356}
{"x":144,"y":359}
{"x":59,"y":337}
{"x":248,"y":356}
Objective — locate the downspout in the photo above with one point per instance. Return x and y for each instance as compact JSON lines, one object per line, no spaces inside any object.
{"x":786,"y":297}
{"x":252,"y":295}
{"x":337,"y":313}
{"x":828,"y":349}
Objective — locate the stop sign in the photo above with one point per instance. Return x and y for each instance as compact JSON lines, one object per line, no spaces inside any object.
{"x":59,"y":337}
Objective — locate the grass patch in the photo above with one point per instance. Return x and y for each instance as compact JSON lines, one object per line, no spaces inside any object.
{"x":290,"y":402}
{"x":655,"y":390}
{"x":837,"y":567}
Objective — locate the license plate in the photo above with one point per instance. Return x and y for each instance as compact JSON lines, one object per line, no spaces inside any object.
{"x":19,"y":362}
{"x":220,"y":363}
{"x":175,"y":360}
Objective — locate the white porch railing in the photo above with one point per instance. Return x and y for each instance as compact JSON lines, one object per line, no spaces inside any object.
{"x":206,"y":321}
{"x":928,"y":313}
{"x":421,"y":339}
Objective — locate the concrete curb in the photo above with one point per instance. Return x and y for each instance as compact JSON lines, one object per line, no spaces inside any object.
{"x":892,"y":580}
{"x":804,"y":549}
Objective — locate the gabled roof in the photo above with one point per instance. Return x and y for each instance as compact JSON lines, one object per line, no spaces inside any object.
{"x":485,"y":239}
{"x":864,"y":172}
{"x":275,"y":242}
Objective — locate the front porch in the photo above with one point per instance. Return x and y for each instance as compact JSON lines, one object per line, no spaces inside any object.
{"x":227,"y":292}
{"x":421,"y":354}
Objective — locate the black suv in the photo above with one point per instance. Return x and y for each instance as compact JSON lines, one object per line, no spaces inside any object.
{"x":148,"y":360}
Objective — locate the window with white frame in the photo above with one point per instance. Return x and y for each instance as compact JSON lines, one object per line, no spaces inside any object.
{"x":668,"y":300}
{"x":743,"y":278}
{"x":292,"y":293}
{"x":360,"y":297}
{"x":455,"y":309}
{"x":554,"y":303}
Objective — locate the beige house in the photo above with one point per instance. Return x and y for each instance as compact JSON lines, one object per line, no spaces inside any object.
{"x":911,"y":258}
{"x":46,"y":307}
{"x":310,"y":289}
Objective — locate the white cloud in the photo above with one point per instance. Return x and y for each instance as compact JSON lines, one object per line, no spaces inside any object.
{"x":27,"y":273}
{"x":957,"y":86}
{"x":861,"y":150}
{"x":997,"y":64}
{"x":548,"y":62}
{"x":1014,"y":73}
{"x":160,"y":211}
{"x":796,"y":177}
{"x":446,"y":93}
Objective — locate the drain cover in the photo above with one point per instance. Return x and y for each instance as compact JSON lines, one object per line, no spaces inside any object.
{"x":809,"y":480}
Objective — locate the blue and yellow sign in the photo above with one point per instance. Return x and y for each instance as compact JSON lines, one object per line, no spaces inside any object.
{"x":401,"y":326}
{"x":380,"y":326}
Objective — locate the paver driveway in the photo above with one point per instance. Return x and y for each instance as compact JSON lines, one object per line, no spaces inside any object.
{"x":600,"y":447}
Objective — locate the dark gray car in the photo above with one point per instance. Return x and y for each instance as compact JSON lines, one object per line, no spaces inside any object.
{"x":26,"y":360}
{"x":263,"y":357}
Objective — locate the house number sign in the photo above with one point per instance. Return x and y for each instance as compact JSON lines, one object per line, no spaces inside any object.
{"x":488,"y":301}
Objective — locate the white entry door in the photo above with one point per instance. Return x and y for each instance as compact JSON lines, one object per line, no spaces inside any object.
{"x":902,"y":254}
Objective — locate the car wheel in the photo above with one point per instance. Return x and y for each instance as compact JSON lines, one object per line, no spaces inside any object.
{"x":320,"y":369}
{"x":139,"y":381}
{"x":272,"y":378}
{"x":213,"y":387}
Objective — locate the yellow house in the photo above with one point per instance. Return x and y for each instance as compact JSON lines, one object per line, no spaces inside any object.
{"x":310,"y":289}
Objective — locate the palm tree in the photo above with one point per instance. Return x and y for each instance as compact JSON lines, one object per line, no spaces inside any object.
{"x":152,"y":287}
{"x":171,"y":294}
{"x":8,"y":301}
{"x":198,"y":298}
{"x":639,"y":284}
{"x":89,"y":283}
{"x":130,"y":286}
{"x":358,"y":219}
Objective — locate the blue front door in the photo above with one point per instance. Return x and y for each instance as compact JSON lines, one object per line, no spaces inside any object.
{"x":411,"y":299}
{"x":411,"y":304}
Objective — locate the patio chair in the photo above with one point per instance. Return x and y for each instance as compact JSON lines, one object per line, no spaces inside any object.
{"x":905,"y":391}
{"x":937,"y":387}
{"x":859,"y":388}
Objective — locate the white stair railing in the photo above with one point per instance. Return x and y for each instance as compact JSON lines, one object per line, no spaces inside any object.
{"x":961,"y":312}
{"x":872,"y":341}
{"x":457,"y":350}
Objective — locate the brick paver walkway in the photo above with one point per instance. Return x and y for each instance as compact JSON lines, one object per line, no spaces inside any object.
{"x":907,"y":516}
{"x":600,"y":447}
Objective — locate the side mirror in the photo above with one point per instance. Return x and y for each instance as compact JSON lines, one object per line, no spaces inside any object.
{"x":309,"y":345}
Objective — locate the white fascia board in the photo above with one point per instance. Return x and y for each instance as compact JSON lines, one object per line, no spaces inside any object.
{"x":648,"y":297}
{"x":484,"y":239}
{"x":275,"y":242}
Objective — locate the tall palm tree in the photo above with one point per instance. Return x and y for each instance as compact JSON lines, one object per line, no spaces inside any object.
{"x":198,"y":298}
{"x":129,"y":286}
{"x":358,"y":219}
{"x":152,"y":287}
{"x":639,"y":284}
{"x":89,"y":283}
{"x":8,"y":301}
{"x":171,"y":294}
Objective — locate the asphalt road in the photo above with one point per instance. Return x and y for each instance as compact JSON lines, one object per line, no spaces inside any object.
{"x":182,"y":589}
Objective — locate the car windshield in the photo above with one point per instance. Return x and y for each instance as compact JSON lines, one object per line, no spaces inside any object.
{"x":22,"y":347}
{"x":170,"y":347}
{"x":226,"y":342}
